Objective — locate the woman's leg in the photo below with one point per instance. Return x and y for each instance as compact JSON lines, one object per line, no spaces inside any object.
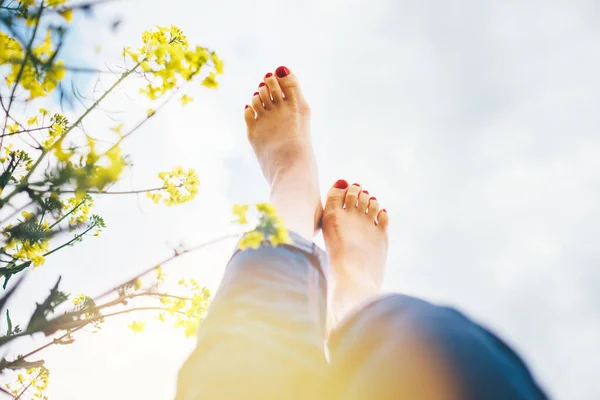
{"x":263,"y":336}
{"x":402,"y":347}
{"x":398,"y":347}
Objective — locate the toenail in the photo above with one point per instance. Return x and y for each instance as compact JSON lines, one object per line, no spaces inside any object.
{"x":261,"y":84}
{"x":384,"y":210}
{"x":365,"y":191}
{"x":340,"y":184}
{"x":268,"y":75}
{"x":255,"y":94}
{"x":282,"y":72}
{"x":356,"y":184}
{"x":373,"y":198}
{"x":246,"y":106}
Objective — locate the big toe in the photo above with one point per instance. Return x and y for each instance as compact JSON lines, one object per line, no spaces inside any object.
{"x":336,"y":195}
{"x":289,"y":85}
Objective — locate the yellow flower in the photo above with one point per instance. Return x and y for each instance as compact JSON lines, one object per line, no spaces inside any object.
{"x":117,"y":129}
{"x":150,"y":112}
{"x":251,"y":239}
{"x":27,"y":214}
{"x":267,"y":209}
{"x":13,"y":128}
{"x":160,"y":276}
{"x":154,"y":196}
{"x":33,"y":120}
{"x":67,"y":14}
{"x":179,"y":187}
{"x":185,"y":100}
{"x":137,"y":326}
{"x":240,"y":212}
{"x":55,"y":3}
{"x":79,"y":299}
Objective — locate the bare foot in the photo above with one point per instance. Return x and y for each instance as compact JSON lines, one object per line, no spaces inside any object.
{"x":356,"y":237}
{"x":279,"y":131}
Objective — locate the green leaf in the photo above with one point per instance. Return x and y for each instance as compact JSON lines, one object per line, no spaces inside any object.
{"x":9,"y":322}
{"x":10,"y":270}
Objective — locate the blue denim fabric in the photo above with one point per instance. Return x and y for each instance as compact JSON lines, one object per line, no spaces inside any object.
{"x":264,"y":334}
{"x":480,"y":364}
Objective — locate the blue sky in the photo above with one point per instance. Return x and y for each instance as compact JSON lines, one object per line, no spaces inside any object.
{"x":474,"y":123}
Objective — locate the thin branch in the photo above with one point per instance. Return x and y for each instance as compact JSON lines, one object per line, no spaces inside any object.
{"x":122,"y":192}
{"x":25,"y":130}
{"x":168,"y":260}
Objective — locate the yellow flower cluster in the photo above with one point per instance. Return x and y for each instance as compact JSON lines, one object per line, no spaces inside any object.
{"x":78,"y":209}
{"x":179,"y":187}
{"x":166,"y":58}
{"x":36,"y":379}
{"x":269,"y":229}
{"x":59,"y":124}
{"x":188,"y":311}
{"x":37,"y":78}
{"x":20,"y":157}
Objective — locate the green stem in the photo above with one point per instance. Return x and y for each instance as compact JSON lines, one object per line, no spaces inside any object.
{"x":70,"y":242}
{"x":66,"y":215}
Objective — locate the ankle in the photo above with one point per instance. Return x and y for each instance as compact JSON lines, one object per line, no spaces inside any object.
{"x":347,"y":295}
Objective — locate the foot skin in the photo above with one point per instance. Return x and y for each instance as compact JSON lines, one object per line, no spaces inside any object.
{"x":278,"y":122}
{"x":355,"y":230}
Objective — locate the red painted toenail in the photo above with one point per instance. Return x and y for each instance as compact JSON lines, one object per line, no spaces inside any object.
{"x":282,"y":72}
{"x":365,"y":191}
{"x":261,"y":84}
{"x":255,"y":94}
{"x":373,"y":198}
{"x":268,"y":75}
{"x":384,"y":210}
{"x":356,"y":184}
{"x":246,"y":106}
{"x":340,"y":184}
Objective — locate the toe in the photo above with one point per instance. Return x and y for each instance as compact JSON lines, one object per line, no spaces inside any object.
{"x":265,"y":97}
{"x":257,"y":104}
{"x":274,"y":88}
{"x":289,"y":84}
{"x":249,"y":115}
{"x":336,"y":195}
{"x":383,"y":219}
{"x":363,"y":201}
{"x":373,"y":207}
{"x":352,"y":196}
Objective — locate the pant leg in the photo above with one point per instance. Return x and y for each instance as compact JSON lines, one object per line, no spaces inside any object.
{"x":263,"y":336}
{"x":401,"y":347}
